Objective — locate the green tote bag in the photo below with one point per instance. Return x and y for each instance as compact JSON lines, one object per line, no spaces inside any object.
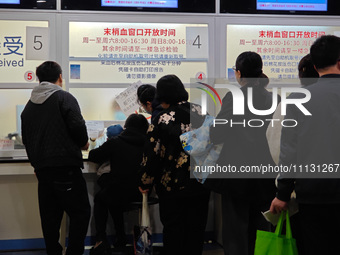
{"x":268,"y":243}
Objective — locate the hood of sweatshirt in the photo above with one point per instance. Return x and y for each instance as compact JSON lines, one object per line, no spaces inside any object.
{"x":42,"y":92}
{"x":133,"y":135}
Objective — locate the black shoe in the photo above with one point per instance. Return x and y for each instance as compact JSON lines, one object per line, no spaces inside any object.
{"x":101,"y":249}
{"x":120,"y":243}
{"x":119,"y":251}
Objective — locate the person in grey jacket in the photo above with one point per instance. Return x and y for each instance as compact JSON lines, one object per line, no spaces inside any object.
{"x":312,"y":147}
{"x":54,"y":132}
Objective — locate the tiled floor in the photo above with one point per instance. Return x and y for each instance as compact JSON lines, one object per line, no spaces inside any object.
{"x":209,"y":249}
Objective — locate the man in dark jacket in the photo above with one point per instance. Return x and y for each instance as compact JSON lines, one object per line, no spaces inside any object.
{"x":313,"y":148}
{"x":121,"y":186}
{"x":54,"y":133}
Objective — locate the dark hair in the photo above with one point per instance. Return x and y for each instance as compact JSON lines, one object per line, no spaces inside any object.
{"x":250,"y":65}
{"x":325,"y":51}
{"x":307,"y":73}
{"x":137,"y":121}
{"x":171,"y":90}
{"x":145,"y":93}
{"x":48,"y":71}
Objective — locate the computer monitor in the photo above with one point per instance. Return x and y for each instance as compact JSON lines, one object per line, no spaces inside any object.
{"x":28,"y":4}
{"x":9,"y":1}
{"x":186,"y":6}
{"x":140,"y":3}
{"x":292,"y":5}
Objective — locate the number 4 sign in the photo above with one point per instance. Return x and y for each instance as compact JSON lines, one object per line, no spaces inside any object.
{"x":37,"y":43}
{"x":200,"y":76}
{"x":197,"y":42}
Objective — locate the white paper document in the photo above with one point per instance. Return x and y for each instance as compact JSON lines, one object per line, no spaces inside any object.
{"x":274,"y":218}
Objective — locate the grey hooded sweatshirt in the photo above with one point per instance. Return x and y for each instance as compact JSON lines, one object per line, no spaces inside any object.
{"x":42,"y":92}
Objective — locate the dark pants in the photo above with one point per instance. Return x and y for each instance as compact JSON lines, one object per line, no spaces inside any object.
{"x":296,"y":231}
{"x":60,"y":190}
{"x":114,"y":201}
{"x":319,"y":229}
{"x":240,"y":221}
{"x":184,"y":219}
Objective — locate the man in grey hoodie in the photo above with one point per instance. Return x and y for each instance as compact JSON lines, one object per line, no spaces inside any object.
{"x":54,"y":132}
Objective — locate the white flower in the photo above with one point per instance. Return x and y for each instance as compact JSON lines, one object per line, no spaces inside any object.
{"x":166,"y":118}
{"x":185,"y":127}
{"x":197,"y":108}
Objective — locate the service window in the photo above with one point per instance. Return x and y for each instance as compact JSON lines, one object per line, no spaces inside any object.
{"x":127,"y":52}
{"x":281,"y":47}
{"x":24,"y":44}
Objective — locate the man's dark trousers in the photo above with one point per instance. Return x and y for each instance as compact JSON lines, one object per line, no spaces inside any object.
{"x":63,"y":189}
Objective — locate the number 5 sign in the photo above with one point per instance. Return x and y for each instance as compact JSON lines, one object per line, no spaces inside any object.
{"x":37,"y":43}
{"x":29,"y":76}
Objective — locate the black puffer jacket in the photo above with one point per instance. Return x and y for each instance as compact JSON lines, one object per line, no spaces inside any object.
{"x":125,"y":154}
{"x":53,"y":129}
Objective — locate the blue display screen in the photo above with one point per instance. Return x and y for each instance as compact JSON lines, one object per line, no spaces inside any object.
{"x":292,"y":5}
{"x":9,"y":1}
{"x":140,"y":3}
